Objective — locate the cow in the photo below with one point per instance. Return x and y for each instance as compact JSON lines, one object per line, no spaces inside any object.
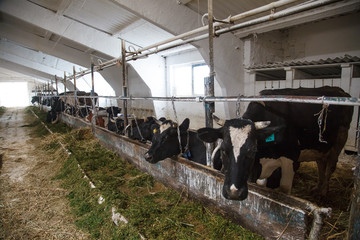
{"x":100,"y":118}
{"x":165,"y":143}
{"x":144,"y":130}
{"x":57,"y":106}
{"x":323,"y":130}
{"x":35,"y":99}
{"x":246,"y":152}
{"x":65,"y":102}
{"x":114,"y":123}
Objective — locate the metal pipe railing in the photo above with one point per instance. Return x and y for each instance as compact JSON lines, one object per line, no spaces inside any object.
{"x":347,"y":101}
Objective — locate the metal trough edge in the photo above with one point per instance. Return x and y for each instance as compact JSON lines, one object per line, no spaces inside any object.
{"x":277,"y":215}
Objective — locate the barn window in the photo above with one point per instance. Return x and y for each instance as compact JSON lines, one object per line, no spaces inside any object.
{"x":318,"y":72}
{"x":356,"y":71}
{"x":271,"y":74}
{"x":188,"y":79}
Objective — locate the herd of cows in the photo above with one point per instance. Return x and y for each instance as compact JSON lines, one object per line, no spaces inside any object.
{"x":262,"y":146}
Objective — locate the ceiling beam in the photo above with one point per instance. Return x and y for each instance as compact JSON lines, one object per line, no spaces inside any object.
{"x":330,"y":10}
{"x":62,"y":26}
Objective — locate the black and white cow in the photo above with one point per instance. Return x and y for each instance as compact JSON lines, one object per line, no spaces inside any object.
{"x":248,"y":153}
{"x":238,"y":150}
{"x":114,"y":124}
{"x":145,"y":130}
{"x":165,"y":143}
{"x":323,"y":130}
{"x":66,"y":103}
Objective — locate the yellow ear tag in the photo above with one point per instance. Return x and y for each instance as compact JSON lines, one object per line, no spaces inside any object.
{"x":154,"y":131}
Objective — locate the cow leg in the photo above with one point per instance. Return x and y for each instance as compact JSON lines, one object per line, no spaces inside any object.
{"x":327,"y":165}
{"x":268,"y":166}
{"x":287,"y":175}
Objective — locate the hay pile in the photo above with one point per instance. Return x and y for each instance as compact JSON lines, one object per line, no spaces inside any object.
{"x":32,"y":206}
{"x":339,"y":195}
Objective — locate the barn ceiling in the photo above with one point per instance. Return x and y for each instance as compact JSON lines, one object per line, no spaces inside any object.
{"x":41,"y":38}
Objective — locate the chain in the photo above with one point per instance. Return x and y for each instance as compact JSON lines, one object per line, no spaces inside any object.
{"x":238,"y":106}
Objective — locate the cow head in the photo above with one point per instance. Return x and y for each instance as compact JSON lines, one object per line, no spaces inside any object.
{"x":165,"y":142}
{"x":238,"y":151}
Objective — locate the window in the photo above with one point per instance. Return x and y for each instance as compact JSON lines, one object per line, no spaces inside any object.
{"x":188,"y":79}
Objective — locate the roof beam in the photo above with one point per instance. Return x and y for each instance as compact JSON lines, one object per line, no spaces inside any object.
{"x":40,"y":63}
{"x":330,"y":10}
{"x":62,"y":26}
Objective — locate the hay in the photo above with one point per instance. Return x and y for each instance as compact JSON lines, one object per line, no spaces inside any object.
{"x":34,"y":206}
{"x":339,"y":195}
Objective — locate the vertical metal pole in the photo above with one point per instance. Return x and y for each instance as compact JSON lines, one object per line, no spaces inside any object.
{"x":124,"y":76}
{"x":92,"y":95}
{"x":48,"y":88}
{"x":209,"y":82}
{"x":64,"y":90}
{"x":354,"y":220}
{"x":75,"y":91}
{"x":56,"y":85}
{"x":52,"y":89}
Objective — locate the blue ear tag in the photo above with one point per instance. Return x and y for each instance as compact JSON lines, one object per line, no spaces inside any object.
{"x":187,"y":155}
{"x":271,"y":138}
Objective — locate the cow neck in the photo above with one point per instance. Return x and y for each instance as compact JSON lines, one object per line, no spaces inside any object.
{"x":185,"y":152}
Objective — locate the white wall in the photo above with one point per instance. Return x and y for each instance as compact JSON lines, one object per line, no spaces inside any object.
{"x":192,"y":110}
{"x":324,"y":39}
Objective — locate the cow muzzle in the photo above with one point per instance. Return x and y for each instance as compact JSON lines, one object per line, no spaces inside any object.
{"x":234,"y":193}
{"x":149,"y":158}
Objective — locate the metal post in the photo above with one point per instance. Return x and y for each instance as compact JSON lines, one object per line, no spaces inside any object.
{"x":48,"y":88}
{"x":56,"y":85}
{"x":124,"y":76}
{"x":52,"y":89}
{"x":354,"y":220}
{"x":92,"y":95}
{"x":75,"y":91}
{"x":209,"y":82}
{"x":64,"y":90}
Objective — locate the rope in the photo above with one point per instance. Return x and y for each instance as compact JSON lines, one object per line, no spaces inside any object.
{"x":137,"y":126}
{"x":176,"y":119}
{"x":322,"y":121}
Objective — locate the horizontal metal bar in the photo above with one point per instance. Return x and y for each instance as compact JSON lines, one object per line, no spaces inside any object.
{"x":349,"y":101}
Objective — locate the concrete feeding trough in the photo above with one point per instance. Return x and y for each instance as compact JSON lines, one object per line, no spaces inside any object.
{"x":278,"y":215}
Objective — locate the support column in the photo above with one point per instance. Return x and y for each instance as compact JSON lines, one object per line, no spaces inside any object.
{"x":124,"y":76}
{"x":209,"y":83}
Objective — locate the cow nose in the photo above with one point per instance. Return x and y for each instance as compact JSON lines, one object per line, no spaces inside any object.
{"x":148,"y":157}
{"x":233,"y":193}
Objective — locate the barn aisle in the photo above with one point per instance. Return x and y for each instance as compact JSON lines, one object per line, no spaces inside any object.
{"x":31,"y":205}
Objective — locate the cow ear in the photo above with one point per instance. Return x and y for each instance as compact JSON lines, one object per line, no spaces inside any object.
{"x":185,"y":125}
{"x":262,"y":124}
{"x":209,"y":135}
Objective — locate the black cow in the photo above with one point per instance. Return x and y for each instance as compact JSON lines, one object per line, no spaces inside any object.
{"x":144,"y":131}
{"x":57,"y":106}
{"x":294,"y":123}
{"x":165,"y":143}
{"x":323,"y":129}
{"x":67,"y":103}
{"x":35,"y":99}
{"x":114,"y":124}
